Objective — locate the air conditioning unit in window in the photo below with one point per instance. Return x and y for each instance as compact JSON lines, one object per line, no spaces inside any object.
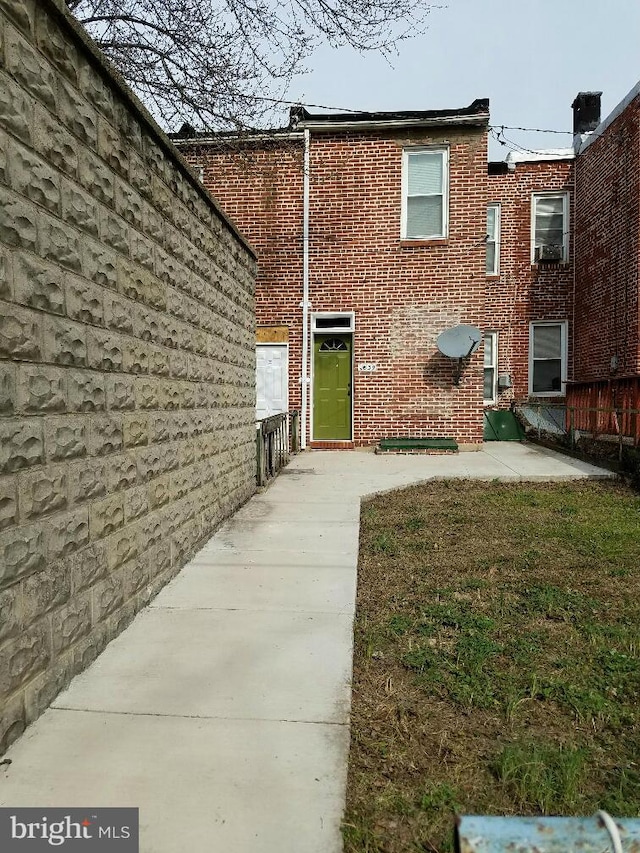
{"x":549,"y":254}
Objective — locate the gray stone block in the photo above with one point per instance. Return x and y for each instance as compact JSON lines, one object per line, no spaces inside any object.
{"x":122,"y":546}
{"x":84,"y":301}
{"x":87,"y":481}
{"x":38,"y":284}
{"x":65,"y":438}
{"x":8,"y":403}
{"x":58,"y":243}
{"x":20,"y":333}
{"x":114,"y":231}
{"x":34,"y":178}
{"x":16,"y":109}
{"x":152,"y":224}
{"x":159,"y":361}
{"x":45,"y":590}
{"x":159,"y":558}
{"x":79,"y":208}
{"x":8,"y":502}
{"x":113,"y":148}
{"x":159,"y":491}
{"x":88,"y":566}
{"x":128,"y":203}
{"x":147,"y":393}
{"x":21,"y":444}
{"x":118,"y":314}
{"x":128,"y":126}
{"x":42,"y":492}
{"x":10,"y":609}
{"x":121,"y":392}
{"x":133,"y":281}
{"x":22,"y":14}
{"x":122,"y":473}
{"x":6,"y":274}
{"x":24,"y":657}
{"x":64,"y":342}
{"x":152,"y":531}
{"x":139,"y":175}
{"x":135,"y":575}
{"x":18,"y":220}
{"x":41,"y":692}
{"x":71,"y":622}
{"x":86,"y":391}
{"x":135,"y":430}
{"x":95,"y":176}
{"x":106,"y":516}
{"x":12,"y":722}
{"x":54,"y":142}
{"x":136,"y":503}
{"x":67,"y":532}
{"x":105,"y":435}
{"x":95,"y":90}
{"x":105,"y":350}
{"x":22,"y":550}
{"x":142,"y":253}
{"x":77,"y":114}
{"x":57,"y":46}
{"x":99,"y":264}
{"x":136,"y":359}
{"x":41,"y":389}
{"x":160,"y":427}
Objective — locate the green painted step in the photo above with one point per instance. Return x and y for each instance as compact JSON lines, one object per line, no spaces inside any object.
{"x":418,"y":444}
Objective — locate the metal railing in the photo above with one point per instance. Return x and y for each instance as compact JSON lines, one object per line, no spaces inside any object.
{"x":277,"y":437}
{"x":613,"y":424}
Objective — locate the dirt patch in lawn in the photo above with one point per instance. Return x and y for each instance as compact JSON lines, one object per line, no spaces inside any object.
{"x":497,"y":659}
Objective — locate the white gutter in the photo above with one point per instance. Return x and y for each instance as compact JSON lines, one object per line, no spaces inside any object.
{"x":304,"y":374}
{"x":374,"y":124}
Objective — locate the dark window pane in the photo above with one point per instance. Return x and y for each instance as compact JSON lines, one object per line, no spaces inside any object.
{"x":547,"y":376}
{"x":488,"y":383}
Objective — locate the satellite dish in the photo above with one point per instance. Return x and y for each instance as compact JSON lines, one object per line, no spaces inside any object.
{"x":460,"y":341}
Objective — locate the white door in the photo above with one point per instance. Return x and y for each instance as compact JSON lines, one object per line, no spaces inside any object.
{"x":271,"y":380}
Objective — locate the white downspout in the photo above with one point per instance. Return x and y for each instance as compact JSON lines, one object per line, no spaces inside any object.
{"x":304,"y":374}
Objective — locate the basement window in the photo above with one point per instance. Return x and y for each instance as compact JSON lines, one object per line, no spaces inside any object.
{"x":425,"y":191}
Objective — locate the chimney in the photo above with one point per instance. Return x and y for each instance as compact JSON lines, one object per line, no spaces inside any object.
{"x":586,"y":112}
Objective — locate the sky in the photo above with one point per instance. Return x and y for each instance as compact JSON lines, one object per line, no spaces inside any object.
{"x":529,"y":58}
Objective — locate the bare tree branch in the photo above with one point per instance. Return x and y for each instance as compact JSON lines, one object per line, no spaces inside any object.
{"x":223,"y":64}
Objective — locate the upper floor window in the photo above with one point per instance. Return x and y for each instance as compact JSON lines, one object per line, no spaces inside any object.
{"x":425,"y":186}
{"x":493,"y":239}
{"x":550,"y":228}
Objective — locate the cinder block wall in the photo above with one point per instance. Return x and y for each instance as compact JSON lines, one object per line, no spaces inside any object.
{"x":126,"y":359}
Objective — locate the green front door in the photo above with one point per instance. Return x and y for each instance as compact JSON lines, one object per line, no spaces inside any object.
{"x":332,"y":387}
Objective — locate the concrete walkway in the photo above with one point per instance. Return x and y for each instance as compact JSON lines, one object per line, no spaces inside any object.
{"x":222,"y":711}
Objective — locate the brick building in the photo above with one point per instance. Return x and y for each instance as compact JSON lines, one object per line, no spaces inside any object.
{"x":396,"y":230}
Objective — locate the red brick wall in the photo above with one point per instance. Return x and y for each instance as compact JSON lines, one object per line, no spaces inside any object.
{"x":403,"y":295}
{"x":524,"y":292}
{"x":608,"y":251}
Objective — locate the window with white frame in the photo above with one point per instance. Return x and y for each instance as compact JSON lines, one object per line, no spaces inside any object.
{"x":493,"y":239}
{"x":490,"y":366}
{"x":550,"y":227}
{"x":547,"y":358}
{"x":425,"y":181}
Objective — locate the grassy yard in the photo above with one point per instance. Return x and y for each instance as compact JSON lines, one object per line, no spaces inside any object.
{"x":497,"y":661}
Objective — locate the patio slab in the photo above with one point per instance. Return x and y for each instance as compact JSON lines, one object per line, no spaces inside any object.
{"x":222,"y":711}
